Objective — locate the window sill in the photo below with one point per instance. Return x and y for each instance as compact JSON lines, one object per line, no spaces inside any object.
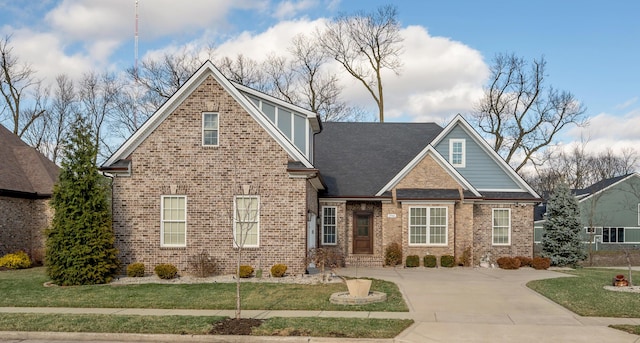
{"x":173,"y":248}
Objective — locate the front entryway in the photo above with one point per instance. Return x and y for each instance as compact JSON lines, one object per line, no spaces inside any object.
{"x":363,"y":233}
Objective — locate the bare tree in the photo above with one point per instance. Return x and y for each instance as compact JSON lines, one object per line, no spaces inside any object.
{"x":63,"y":109}
{"x":365,"y":44}
{"x":21,"y":91}
{"x":519,"y":113}
{"x":243,"y":70}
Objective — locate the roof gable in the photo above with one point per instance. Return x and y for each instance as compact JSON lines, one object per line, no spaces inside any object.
{"x":604,"y":185}
{"x":514,"y":179}
{"x":24,"y":169}
{"x":428,"y":151}
{"x":206,"y":70}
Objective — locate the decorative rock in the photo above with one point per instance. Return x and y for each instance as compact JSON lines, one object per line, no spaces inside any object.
{"x":343,"y":298}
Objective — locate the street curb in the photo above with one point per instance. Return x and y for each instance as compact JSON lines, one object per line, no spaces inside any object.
{"x":158,"y":338}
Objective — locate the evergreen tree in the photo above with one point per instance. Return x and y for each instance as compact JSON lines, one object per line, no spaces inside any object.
{"x":561,"y":238}
{"x":79,"y":247}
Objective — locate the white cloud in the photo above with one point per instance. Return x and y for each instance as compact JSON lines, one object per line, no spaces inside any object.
{"x":627,"y":103}
{"x":290,"y":8}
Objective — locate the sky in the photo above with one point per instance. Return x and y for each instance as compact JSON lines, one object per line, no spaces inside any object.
{"x":592,"y":48}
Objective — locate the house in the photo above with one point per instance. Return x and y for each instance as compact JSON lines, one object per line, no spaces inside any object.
{"x":26,"y":185}
{"x":216,"y":146}
{"x":609,"y":213}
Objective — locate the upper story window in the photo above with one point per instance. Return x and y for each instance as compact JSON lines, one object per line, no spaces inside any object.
{"x":457,"y":153}
{"x":210,"y":129}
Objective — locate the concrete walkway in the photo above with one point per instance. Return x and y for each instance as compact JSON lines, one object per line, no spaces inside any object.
{"x":448,"y":305}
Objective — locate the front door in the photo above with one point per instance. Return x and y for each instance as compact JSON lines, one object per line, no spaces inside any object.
{"x":363,"y":233}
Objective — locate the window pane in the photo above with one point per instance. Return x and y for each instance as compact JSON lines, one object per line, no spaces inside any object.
{"x":246,"y":221}
{"x":270,"y":111}
{"x":299,"y":133}
{"x":210,"y":121}
{"x":329,"y":225}
{"x":284,"y":122}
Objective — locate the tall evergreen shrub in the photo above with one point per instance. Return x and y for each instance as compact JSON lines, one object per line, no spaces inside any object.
{"x":561,"y":239}
{"x":79,"y":246}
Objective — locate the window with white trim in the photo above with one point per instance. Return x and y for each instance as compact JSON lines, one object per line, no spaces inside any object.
{"x":501,"y":230}
{"x":210,"y":130}
{"x":427,"y":226}
{"x":329,"y":226}
{"x":613,"y":235}
{"x":457,"y":153}
{"x":246,"y":223}
{"x":173,"y":222}
{"x":638,"y":214}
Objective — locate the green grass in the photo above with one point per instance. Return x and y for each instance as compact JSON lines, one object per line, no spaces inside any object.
{"x":585,"y":295}
{"x":24,"y":288}
{"x":193,"y":325}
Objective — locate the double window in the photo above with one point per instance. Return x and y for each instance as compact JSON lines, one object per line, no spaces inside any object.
{"x":210,"y":130}
{"x":427,"y":226}
{"x":329,"y":225}
{"x":246,"y":223}
{"x":457,"y":152}
{"x":173,"y":224}
{"x":501,"y":231}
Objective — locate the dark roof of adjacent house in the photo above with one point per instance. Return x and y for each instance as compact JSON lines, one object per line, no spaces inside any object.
{"x":600,"y":185}
{"x":359,"y":159}
{"x":25,"y":172}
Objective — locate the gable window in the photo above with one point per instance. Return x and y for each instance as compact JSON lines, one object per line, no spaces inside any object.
{"x":173,"y":223}
{"x":210,"y":129}
{"x":246,"y":223}
{"x":501,"y":226}
{"x":427,"y":226}
{"x":457,"y":153}
{"x":329,"y":227}
{"x":613,"y":235}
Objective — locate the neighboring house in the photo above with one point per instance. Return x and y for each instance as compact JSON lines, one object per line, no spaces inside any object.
{"x":26,"y":185}
{"x":355,"y":187}
{"x":609,"y":213}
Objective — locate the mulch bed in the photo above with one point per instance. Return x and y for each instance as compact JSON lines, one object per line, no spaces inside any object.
{"x":232,"y":326}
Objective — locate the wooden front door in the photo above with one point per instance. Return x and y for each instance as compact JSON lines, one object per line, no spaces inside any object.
{"x":363,"y":233}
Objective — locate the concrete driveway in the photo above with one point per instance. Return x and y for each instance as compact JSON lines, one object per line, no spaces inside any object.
{"x":489,"y":305}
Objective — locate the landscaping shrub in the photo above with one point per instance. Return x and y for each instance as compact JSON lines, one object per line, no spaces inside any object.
{"x":430,"y":261}
{"x":447,"y":261}
{"x":245,"y":271}
{"x":507,"y":262}
{"x":541,"y":263}
{"x":135,"y":269}
{"x":18,"y":260}
{"x":524,"y":261}
{"x":393,"y":255}
{"x":166,"y":271}
{"x":202,"y":264}
{"x":325,"y":258}
{"x":413,"y":261}
{"x":278,"y":270}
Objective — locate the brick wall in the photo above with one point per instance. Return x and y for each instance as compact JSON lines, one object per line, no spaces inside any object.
{"x":428,"y":174}
{"x":172,"y":158}
{"x":521,"y":231}
{"x":22,"y":225}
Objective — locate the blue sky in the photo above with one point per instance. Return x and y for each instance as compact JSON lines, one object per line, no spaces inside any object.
{"x":591,"y":47}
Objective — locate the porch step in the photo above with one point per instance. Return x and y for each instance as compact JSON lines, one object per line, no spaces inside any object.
{"x":364,"y":261}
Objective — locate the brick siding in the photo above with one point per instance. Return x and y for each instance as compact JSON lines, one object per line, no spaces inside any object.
{"x":22,"y":225}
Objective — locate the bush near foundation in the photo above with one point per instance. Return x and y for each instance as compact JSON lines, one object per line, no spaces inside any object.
{"x":430,"y":261}
{"x":524,"y":261}
{"x":412,"y":261}
{"x":278,"y":270}
{"x":18,"y":260}
{"x":507,"y":262}
{"x":166,"y":271}
{"x":135,"y":269}
{"x":541,"y":263}
{"x":245,"y":271}
{"x":447,"y":261}
{"x":393,"y":255}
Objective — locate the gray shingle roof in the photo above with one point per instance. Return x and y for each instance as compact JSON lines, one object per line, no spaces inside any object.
{"x":24,"y":171}
{"x":358,"y":159}
{"x":432,"y":194}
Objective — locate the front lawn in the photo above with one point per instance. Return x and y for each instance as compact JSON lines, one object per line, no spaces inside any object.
{"x":194,"y":325}
{"x":24,"y":288}
{"x":585,"y":295}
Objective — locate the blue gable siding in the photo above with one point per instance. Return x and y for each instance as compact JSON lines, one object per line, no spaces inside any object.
{"x":480,"y":169}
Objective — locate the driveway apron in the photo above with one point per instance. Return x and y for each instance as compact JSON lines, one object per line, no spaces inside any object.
{"x":488,"y":305}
